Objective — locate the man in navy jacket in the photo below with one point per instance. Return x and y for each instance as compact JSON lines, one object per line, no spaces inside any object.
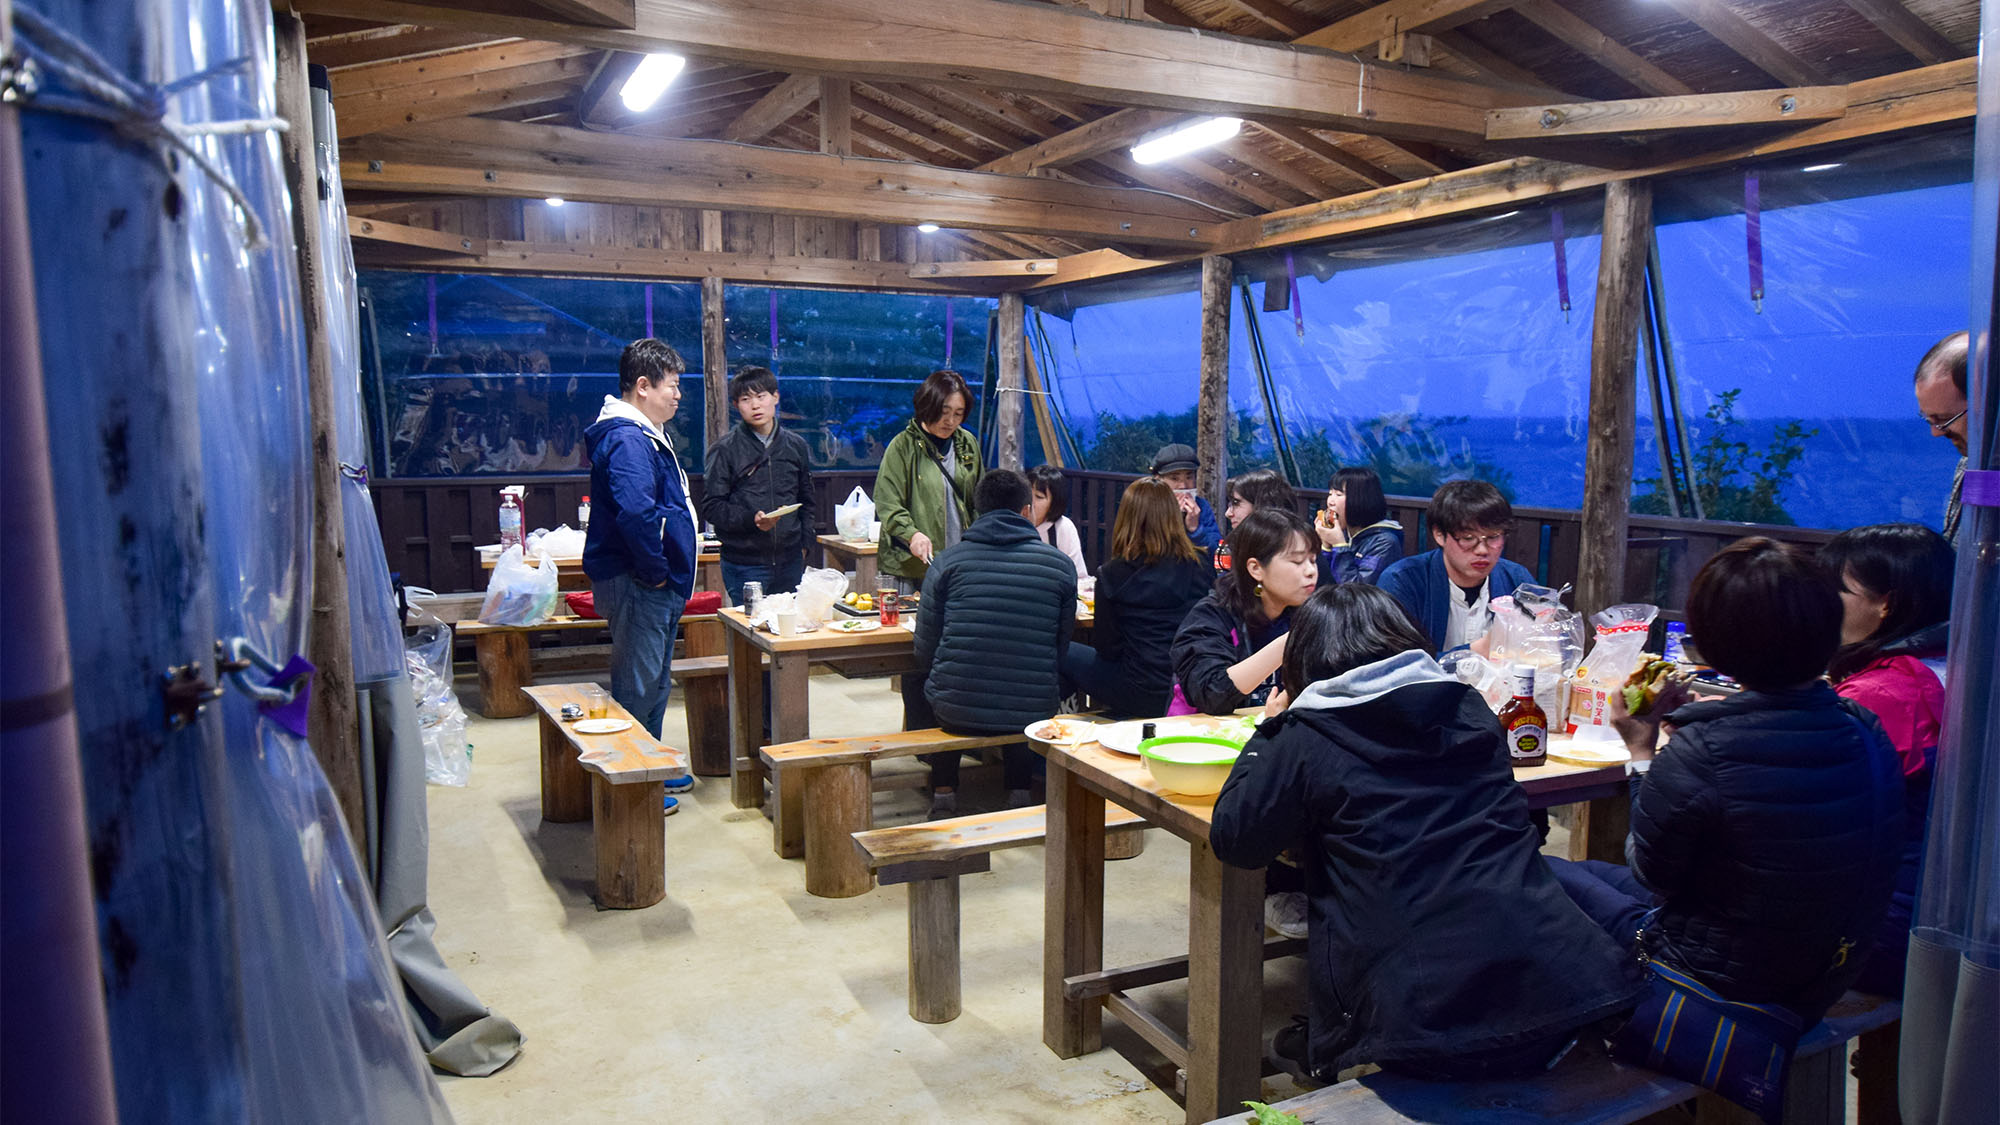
{"x":1449,"y":589}
{"x":640,"y":549}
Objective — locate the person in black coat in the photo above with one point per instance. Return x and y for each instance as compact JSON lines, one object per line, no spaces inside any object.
{"x":1766,"y":834}
{"x":998,"y":610}
{"x":1439,"y":945}
{"x":755,"y":469}
{"x":1155,"y":576}
{"x":1228,"y":649}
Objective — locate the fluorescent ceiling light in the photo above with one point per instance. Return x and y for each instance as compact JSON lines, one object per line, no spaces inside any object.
{"x":1184,"y":139}
{"x":554,"y":201}
{"x":928,"y":228}
{"x":1820,"y":167}
{"x":649,"y":80}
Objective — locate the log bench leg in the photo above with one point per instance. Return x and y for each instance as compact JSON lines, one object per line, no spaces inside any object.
{"x":788,"y":836}
{"x":707,"y":703}
{"x":934,"y":972}
{"x":839,"y":801}
{"x":503,"y":671}
{"x":1126,"y":843}
{"x":1876,"y":1070}
{"x":631,"y":840}
{"x":565,"y":783}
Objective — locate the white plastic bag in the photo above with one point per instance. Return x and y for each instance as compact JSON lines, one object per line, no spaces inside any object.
{"x":447,"y":758}
{"x":564,"y":542}
{"x":1621,"y":642}
{"x":520,"y":593}
{"x":818,"y":590}
{"x":853,"y":516}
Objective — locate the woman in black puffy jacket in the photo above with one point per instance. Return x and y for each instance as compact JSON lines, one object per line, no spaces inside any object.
{"x":1766,"y":833}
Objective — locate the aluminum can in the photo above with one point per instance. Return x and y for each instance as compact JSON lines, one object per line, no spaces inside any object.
{"x":753,"y":598}
{"x":889,"y":606}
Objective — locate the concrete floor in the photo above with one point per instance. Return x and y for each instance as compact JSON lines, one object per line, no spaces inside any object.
{"x":742,"y":996}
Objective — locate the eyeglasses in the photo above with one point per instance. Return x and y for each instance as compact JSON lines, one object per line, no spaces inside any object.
{"x":1474,"y":542}
{"x":1940,"y":426}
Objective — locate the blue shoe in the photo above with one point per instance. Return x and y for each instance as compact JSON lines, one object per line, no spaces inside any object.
{"x":679,"y":784}
{"x":673,"y":805}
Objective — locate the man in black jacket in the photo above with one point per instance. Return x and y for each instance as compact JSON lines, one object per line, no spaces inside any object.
{"x":751,"y":481}
{"x":997,"y":612}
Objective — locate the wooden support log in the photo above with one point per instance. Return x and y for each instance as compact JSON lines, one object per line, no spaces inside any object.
{"x":334,"y":721}
{"x":705,"y":700}
{"x":504,"y":669}
{"x":934,"y":941}
{"x":565,"y":783}
{"x":839,"y":801}
{"x":1012,"y":381}
{"x":1127,"y":843}
{"x":1674,"y":112}
{"x":1212,"y":407}
{"x":631,"y":842}
{"x":1614,"y":355}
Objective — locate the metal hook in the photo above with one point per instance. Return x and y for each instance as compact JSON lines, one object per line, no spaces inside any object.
{"x":236,"y":656}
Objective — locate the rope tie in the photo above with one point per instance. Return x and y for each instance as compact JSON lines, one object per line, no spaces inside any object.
{"x":135,"y":111}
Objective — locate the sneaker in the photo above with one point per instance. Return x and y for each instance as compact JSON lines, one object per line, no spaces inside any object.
{"x":673,"y":806}
{"x":680,"y":784}
{"x":1020,"y":798}
{"x":1288,"y":1049}
{"x":1285,"y":914}
{"x":943,"y":805}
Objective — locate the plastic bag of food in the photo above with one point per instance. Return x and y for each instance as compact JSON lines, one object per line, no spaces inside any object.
{"x":818,"y":590}
{"x":520,"y":592}
{"x":853,"y":516}
{"x":1621,"y":641}
{"x":564,"y":542}
{"x":440,"y":718}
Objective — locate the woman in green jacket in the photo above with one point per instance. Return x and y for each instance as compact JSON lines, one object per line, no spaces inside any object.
{"x":923,"y":490}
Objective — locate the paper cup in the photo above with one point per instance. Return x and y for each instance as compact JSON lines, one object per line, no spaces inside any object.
{"x":788,"y":625}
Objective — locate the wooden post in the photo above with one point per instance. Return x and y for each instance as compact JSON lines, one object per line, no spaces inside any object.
{"x":1212,"y":412}
{"x":505,"y":668}
{"x":1225,"y":984}
{"x":1013,"y":377}
{"x":838,"y":802}
{"x":1614,"y":357}
{"x":630,"y":839}
{"x":836,"y":117}
{"x":1072,"y":913}
{"x":565,"y":783}
{"x":934,"y":941}
{"x":333,"y":724}
{"x":714,"y":336}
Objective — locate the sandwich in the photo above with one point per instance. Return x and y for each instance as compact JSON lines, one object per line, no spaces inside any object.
{"x":1643,"y":687}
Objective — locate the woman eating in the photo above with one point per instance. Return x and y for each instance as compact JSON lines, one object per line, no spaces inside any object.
{"x":1155,"y":576}
{"x":1227,"y":652}
{"x":1439,"y":944}
{"x":1357,"y":537}
{"x":1895,"y":593}
{"x":1048,"y":515}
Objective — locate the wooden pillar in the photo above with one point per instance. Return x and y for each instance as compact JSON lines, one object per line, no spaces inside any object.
{"x":934,"y":942}
{"x":836,"y":117}
{"x":333,"y":723}
{"x":630,"y":839}
{"x":1212,"y":410}
{"x":1614,"y":357}
{"x":838,"y":802}
{"x":1013,"y":377}
{"x":714,"y":338}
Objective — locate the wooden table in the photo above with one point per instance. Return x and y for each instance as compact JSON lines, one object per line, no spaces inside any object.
{"x":1225,"y":965}
{"x":859,"y":554}
{"x":570,"y":575}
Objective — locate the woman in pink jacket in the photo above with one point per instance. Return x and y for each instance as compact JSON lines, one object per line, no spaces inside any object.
{"x":1895,"y":583}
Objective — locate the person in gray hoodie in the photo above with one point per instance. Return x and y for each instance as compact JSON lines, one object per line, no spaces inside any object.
{"x":1439,"y":944}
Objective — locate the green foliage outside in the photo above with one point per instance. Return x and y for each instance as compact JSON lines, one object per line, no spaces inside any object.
{"x":1734,"y":480}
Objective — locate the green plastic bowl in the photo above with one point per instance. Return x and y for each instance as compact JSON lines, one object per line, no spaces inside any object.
{"x":1190,"y":764}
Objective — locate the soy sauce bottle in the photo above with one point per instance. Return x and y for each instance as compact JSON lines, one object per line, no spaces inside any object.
{"x":1527,"y":726}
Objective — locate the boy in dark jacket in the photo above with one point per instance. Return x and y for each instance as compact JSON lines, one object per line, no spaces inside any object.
{"x":1439,"y":945}
{"x":640,"y":550}
{"x":1449,"y":590}
{"x":998,"y":610}
{"x":754,"y":471}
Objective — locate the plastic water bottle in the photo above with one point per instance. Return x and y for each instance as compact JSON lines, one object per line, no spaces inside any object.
{"x":583,"y":514}
{"x":510,"y":517}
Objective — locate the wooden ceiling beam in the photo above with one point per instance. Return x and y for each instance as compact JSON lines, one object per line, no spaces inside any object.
{"x":395,"y":42}
{"x":1739,"y":35}
{"x":1180,"y":180}
{"x":784,"y":102}
{"x":1908,"y":30}
{"x":401,"y":74}
{"x":1495,"y":67}
{"x":978,"y":125}
{"x":868,"y":103}
{"x":1116,"y":130}
{"x":396,"y":234}
{"x":1600,"y":48}
{"x":836,"y":117}
{"x":1273,"y":166}
{"x":670,"y":265}
{"x":357,"y":114}
{"x":498,"y":158}
{"x":1333,"y":154}
{"x":1013,"y":45}
{"x":1655,"y":115}
{"x":990,"y":267}
{"x":1276,"y":16}
{"x":1396,"y":17}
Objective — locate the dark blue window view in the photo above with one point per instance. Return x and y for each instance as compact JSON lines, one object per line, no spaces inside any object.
{"x":501,"y":374}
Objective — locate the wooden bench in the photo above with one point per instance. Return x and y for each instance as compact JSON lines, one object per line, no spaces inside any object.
{"x":930,"y":856}
{"x":505,"y":668}
{"x":626,"y":775}
{"x":1590,"y":1087}
{"x":822,"y":793}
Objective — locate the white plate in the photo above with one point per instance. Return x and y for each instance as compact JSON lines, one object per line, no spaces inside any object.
{"x":601,"y":726}
{"x":1124,"y":738}
{"x":1590,"y":753}
{"x":855,"y":625}
{"x":1075,"y":731}
{"x":784,"y":511}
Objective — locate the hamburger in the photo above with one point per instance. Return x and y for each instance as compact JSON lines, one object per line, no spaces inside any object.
{"x":1642,"y":689}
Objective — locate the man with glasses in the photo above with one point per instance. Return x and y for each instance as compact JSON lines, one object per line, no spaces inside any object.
{"x":1448,"y":590}
{"x":1941,"y":402}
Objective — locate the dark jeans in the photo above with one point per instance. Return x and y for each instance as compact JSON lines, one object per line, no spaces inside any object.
{"x":643,"y":622}
{"x":1106,"y":684}
{"x":1518,"y":1060}
{"x":1607,"y":892}
{"x":780,"y":579}
{"x":1017,"y":767}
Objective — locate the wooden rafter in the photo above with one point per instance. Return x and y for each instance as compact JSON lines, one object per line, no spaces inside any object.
{"x":836,"y":117}
{"x":396,"y":41}
{"x":418,"y":238}
{"x":1653,"y":115}
{"x":1766,"y":53}
{"x":479,"y":92}
{"x":1396,"y":17}
{"x":783,"y":103}
{"x":1331,"y":153}
{"x":869,"y":104}
{"x":1908,"y":30}
{"x":564,"y":258}
{"x":413,"y":75}
{"x":1600,"y":48}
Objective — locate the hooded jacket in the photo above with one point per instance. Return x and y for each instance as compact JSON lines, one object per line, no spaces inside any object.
{"x":643,"y":525}
{"x":1771,"y":826}
{"x":998,"y":610}
{"x":1210,"y":640}
{"x":1434,"y":926}
{"x":910,"y":496}
{"x":1140,"y":607}
{"x":742,"y":476}
{"x":1365,"y":556}
{"x":1421,"y":583}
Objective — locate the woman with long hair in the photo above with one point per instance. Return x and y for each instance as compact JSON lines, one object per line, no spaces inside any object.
{"x":1439,"y":944}
{"x":1895,"y":593}
{"x":1357,"y":537}
{"x":1155,"y":576}
{"x":1227,"y":652}
{"x":1049,"y":514}
{"x":1258,"y":488}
